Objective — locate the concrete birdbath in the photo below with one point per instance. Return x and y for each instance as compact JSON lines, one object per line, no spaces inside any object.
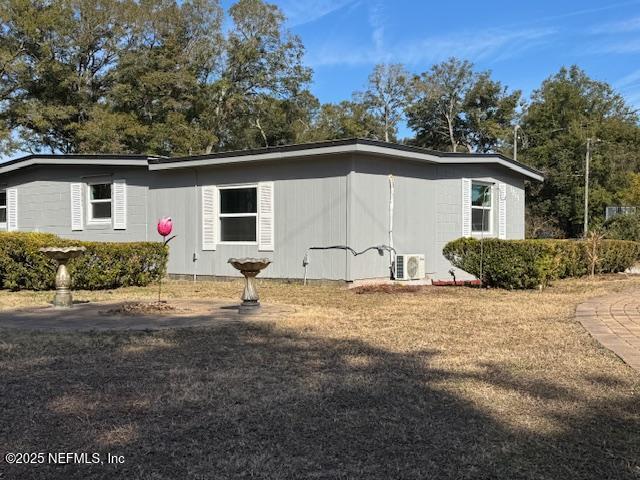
{"x":62,"y":255}
{"x":249,"y":267}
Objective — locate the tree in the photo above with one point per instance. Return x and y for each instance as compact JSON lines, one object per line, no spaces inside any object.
{"x":346,"y":119}
{"x":630,"y":195}
{"x":57,"y":57}
{"x":156,"y":83}
{"x":489,"y":111}
{"x":153,"y":76}
{"x":386,"y":96}
{"x":564,"y":112}
{"x":274,"y":121}
{"x":451,"y":107}
{"x":259,"y":58}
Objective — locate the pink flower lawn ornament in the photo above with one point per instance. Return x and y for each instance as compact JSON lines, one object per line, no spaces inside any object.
{"x":165,"y":226}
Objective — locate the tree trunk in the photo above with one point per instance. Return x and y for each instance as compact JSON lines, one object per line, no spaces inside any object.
{"x":454,"y":145}
{"x":261,"y":130}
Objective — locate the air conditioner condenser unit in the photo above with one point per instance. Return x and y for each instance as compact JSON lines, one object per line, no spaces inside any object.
{"x":410,"y":266}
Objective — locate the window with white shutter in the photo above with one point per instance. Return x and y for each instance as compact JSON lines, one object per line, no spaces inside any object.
{"x":265,"y":217}
{"x":238,"y":212}
{"x":209,"y":217}
{"x":482,"y":202}
{"x":119,"y":205}
{"x":99,"y":202}
{"x":466,"y":207}
{"x":77,"y":215}
{"x":502,"y":211}
{"x":12,"y":209}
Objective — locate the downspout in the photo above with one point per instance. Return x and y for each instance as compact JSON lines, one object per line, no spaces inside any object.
{"x":195,"y":225}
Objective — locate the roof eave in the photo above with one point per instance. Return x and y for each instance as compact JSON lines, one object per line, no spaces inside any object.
{"x":375,"y":148}
{"x":32,"y":160}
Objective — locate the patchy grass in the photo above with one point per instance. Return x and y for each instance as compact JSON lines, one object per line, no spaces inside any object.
{"x":434,"y":383}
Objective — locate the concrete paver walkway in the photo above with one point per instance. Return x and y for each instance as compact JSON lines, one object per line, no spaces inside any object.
{"x":614,"y":321}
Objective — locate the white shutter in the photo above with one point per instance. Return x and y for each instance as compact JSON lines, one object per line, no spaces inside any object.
{"x":77,"y":216}
{"x":265,"y":216}
{"x":12,"y":209}
{"x":466,"y":207}
{"x":119,"y":204}
{"x":502,"y":210}
{"x":209,"y":217}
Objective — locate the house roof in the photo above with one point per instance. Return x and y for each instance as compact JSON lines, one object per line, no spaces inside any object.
{"x":74,"y":159}
{"x":304,"y":150}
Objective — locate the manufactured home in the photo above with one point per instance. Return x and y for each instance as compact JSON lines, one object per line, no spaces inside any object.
{"x":277,"y":202}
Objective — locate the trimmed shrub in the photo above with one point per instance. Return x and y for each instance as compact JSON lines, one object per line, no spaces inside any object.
{"x":103,"y":265}
{"x":623,"y":227}
{"x":517,"y":264}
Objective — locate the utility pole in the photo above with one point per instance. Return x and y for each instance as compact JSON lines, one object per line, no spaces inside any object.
{"x":586,"y":187}
{"x":515,"y":142}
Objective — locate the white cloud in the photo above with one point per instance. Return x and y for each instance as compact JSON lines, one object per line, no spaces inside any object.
{"x":376,"y":22}
{"x":632,"y":78}
{"x":488,"y":45}
{"x":619,"y":47}
{"x":300,"y":12}
{"x":625,"y":26}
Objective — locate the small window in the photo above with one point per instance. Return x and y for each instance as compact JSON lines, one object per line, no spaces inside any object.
{"x":481,"y":202}
{"x":3,"y":208}
{"x":238,"y":214}
{"x":100,"y":202}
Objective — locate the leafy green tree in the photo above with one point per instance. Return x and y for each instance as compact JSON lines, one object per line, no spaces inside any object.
{"x":623,"y":227}
{"x":630,"y":195}
{"x":57,"y":57}
{"x":386,"y":96}
{"x":259,"y":57}
{"x":274,"y":121}
{"x":346,"y":119}
{"x":564,"y":112}
{"x":156,"y":83}
{"x":489,"y":111}
{"x":154,"y":76}
{"x":453,"y":108}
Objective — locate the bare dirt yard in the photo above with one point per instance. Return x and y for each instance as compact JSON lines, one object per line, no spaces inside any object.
{"x":436,"y":382}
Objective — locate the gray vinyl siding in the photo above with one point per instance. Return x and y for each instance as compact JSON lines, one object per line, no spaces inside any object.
{"x":44,"y":200}
{"x":309,"y":205}
{"x":427,"y":211}
{"x":340,"y":199}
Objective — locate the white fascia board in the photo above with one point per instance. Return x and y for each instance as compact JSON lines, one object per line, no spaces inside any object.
{"x":72,"y":161}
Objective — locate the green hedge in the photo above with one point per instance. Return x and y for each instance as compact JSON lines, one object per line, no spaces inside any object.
{"x":623,"y":227}
{"x":516,"y":264}
{"x":102,"y":266}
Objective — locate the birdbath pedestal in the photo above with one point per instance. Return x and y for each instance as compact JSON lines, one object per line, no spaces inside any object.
{"x":249,"y":267}
{"x":62,"y":255}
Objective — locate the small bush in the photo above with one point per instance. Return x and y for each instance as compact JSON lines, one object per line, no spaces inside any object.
{"x":518,"y":264}
{"x":103,"y":265}
{"x":623,"y":227}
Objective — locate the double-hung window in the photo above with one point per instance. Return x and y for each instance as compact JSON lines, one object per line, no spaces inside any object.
{"x":99,"y":203}
{"x":481,"y":208}
{"x":3,"y":209}
{"x":238,"y":214}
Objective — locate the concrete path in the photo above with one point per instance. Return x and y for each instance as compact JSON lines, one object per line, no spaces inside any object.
{"x":614,"y":321}
{"x":101,"y":316}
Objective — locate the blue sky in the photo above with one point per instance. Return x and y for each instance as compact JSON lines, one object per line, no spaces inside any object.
{"x":521,"y":42}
